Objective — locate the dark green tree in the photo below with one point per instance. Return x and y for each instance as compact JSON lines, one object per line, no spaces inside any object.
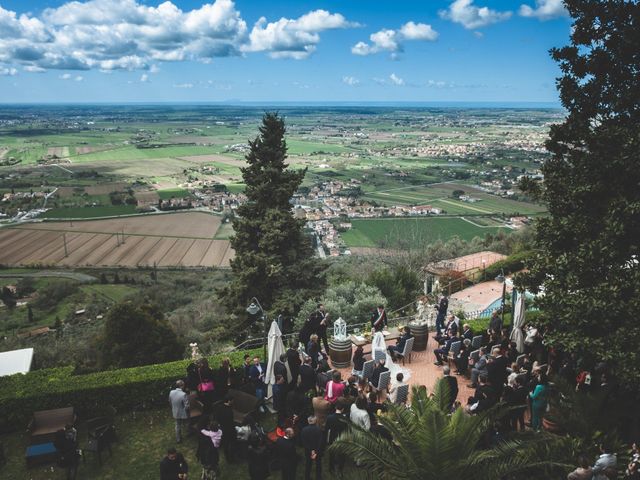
{"x":8,"y":297}
{"x":399,"y":284}
{"x":589,"y":245}
{"x":29,"y":314}
{"x":137,"y":334}
{"x":273,"y":256}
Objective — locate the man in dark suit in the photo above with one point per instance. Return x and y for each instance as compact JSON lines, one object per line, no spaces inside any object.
{"x":319,"y":322}
{"x":379,"y":319}
{"x":286,"y":452}
{"x":311,"y":438}
{"x":443,"y":306}
{"x":480,"y":368}
{"x":294,"y":362}
{"x":224,"y":415}
{"x":280,"y":368}
{"x":257,"y":375}
{"x":337,"y":423}
{"x":467,"y":332}
{"x":452,"y":383}
{"x":399,"y":346}
{"x":497,"y":370}
{"x":377,"y":371}
{"x":307,"y":375}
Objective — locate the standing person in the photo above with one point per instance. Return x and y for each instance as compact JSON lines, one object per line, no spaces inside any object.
{"x":286,"y":452}
{"x":307,"y":375}
{"x":257,"y":375}
{"x":280,"y":368}
{"x":66,"y":443}
{"x":379,"y":319}
{"x":335,"y":388}
{"x":225,"y":378}
{"x":311,"y":437}
{"x":442,"y":308}
{"x":313,"y":350}
{"x":320,"y":322}
{"x":359,"y":415}
{"x":279,"y":390}
{"x":495,"y":324}
{"x":246,"y":368}
{"x":358,"y":361}
{"x":208,"y":445}
{"x":173,"y":466}
{"x":206,"y":385}
{"x":539,"y":401}
{"x":179,"y":401}
{"x":257,"y":458}
{"x":294,"y":362}
{"x":224,"y":415}
{"x":497,"y":370}
{"x":336,"y":424}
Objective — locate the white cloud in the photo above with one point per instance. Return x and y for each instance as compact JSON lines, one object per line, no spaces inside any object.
{"x":183,"y":85}
{"x":144,"y":78}
{"x":388,"y":40}
{"x":396,"y":80}
{"x":79,"y":78}
{"x":544,"y":10}
{"x":65,"y":76}
{"x":8,"y":71}
{"x":297,"y":39}
{"x":154,"y":68}
{"x":351,"y":81}
{"x":470,"y":16}
{"x":34,"y":69}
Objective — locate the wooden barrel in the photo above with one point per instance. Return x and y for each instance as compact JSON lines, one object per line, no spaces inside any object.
{"x":421,"y":335}
{"x":340,"y":353}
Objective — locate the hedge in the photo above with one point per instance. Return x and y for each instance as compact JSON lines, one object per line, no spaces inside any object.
{"x":511,"y":264}
{"x":89,"y":394}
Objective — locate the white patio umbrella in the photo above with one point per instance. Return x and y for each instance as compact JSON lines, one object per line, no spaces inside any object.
{"x":275,"y":348}
{"x":518,"y":322}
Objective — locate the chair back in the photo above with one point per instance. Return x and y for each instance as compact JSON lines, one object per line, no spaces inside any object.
{"x":383,"y":381}
{"x":367,"y":369}
{"x":475,"y":356}
{"x":402,"y":394}
{"x":476,"y":342}
{"x":455,"y":348}
{"x":408,"y":347}
{"x":520,"y":359}
{"x":379,"y":355}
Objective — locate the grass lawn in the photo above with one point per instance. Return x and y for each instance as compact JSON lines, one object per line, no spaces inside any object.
{"x":115,"y":293}
{"x":225,"y":231}
{"x":173,"y":193}
{"x":90,"y":212}
{"x":417,"y":231}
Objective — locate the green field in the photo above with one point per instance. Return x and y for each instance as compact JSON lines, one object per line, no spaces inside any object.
{"x":90,"y":212}
{"x":390,"y":232}
{"x":173,"y":193}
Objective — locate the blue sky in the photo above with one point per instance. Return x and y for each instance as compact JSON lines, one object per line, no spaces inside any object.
{"x":355,"y":50}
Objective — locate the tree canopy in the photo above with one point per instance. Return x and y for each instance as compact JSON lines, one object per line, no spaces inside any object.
{"x":589,"y":244}
{"x":273,"y":256}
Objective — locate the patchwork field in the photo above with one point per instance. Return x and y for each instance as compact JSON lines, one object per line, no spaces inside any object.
{"x":413,"y":232}
{"x":182,"y":239}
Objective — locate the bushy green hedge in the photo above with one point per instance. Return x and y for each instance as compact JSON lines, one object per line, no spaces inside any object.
{"x":480,"y":325}
{"x":124,"y":389}
{"x":513,"y":263}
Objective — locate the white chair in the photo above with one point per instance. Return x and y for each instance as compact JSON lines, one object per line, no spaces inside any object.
{"x":379,"y":355}
{"x":476,"y":342}
{"x":367,"y":369}
{"x":474,"y":356}
{"x":407,"y":350}
{"x":383,"y":381}
{"x":402,"y":395}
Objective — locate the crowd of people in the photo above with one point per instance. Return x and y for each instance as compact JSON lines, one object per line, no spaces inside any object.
{"x":315,"y":404}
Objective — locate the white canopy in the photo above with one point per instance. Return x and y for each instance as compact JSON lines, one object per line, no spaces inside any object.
{"x":275,"y":348}
{"x":518,"y":322}
{"x":15,"y":361}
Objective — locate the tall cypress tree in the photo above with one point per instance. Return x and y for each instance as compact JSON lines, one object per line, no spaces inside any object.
{"x":273,"y":256}
{"x":589,"y":245}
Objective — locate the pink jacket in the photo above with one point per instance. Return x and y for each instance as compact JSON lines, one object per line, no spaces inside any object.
{"x":215,"y":436}
{"x":333,"y":391}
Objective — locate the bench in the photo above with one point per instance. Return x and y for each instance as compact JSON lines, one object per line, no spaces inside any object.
{"x":46,"y":423}
{"x":41,"y":454}
{"x":243,"y":404}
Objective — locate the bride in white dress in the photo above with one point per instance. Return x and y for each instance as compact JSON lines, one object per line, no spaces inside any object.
{"x":379,"y":344}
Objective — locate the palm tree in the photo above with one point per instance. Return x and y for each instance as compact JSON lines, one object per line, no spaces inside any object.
{"x":430,"y":443}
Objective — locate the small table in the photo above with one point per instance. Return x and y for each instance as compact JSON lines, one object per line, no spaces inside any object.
{"x":41,"y":454}
{"x":361,"y":341}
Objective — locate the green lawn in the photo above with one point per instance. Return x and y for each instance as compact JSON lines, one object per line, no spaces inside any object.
{"x":410,"y":231}
{"x":225,"y":231}
{"x":173,"y":193}
{"x":115,"y":293}
{"x":90,"y":212}
{"x":133,"y":153}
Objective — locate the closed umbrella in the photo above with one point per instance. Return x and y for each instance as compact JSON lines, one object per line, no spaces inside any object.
{"x":275,"y":348}
{"x":518,"y":322}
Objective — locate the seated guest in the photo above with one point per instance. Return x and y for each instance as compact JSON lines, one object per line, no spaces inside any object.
{"x":377,"y":370}
{"x":374,"y":405}
{"x":358,"y":361}
{"x":462,"y":357}
{"x":479,"y":368}
{"x":451,"y":330}
{"x":583,"y":472}
{"x":484,"y":397}
{"x":467,"y":332}
{"x":359,"y":415}
{"x":442,"y":352}
{"x":393,"y":391}
{"x":334,"y":389}
{"x":398,"y":348}
{"x":351,"y":388}
{"x":512,"y":352}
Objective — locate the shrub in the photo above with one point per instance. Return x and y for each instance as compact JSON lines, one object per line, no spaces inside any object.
{"x":513,"y":263}
{"x":124,"y":389}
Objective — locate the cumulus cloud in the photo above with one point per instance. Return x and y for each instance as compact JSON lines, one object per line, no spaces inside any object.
{"x":351,"y":81}
{"x":388,"y":40}
{"x":8,"y":71}
{"x":144,"y":78}
{"x":544,"y":10}
{"x":129,"y":35}
{"x":471,"y":16}
{"x":396,"y":80}
{"x":183,"y":85}
{"x":293,"y":38}
{"x":65,"y":76}
{"x":34,"y":69}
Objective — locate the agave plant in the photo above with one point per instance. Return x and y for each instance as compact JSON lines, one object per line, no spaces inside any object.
{"x":430,"y":443}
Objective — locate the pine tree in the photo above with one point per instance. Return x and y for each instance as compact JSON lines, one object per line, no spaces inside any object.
{"x":273,"y":256}
{"x":589,"y":245}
